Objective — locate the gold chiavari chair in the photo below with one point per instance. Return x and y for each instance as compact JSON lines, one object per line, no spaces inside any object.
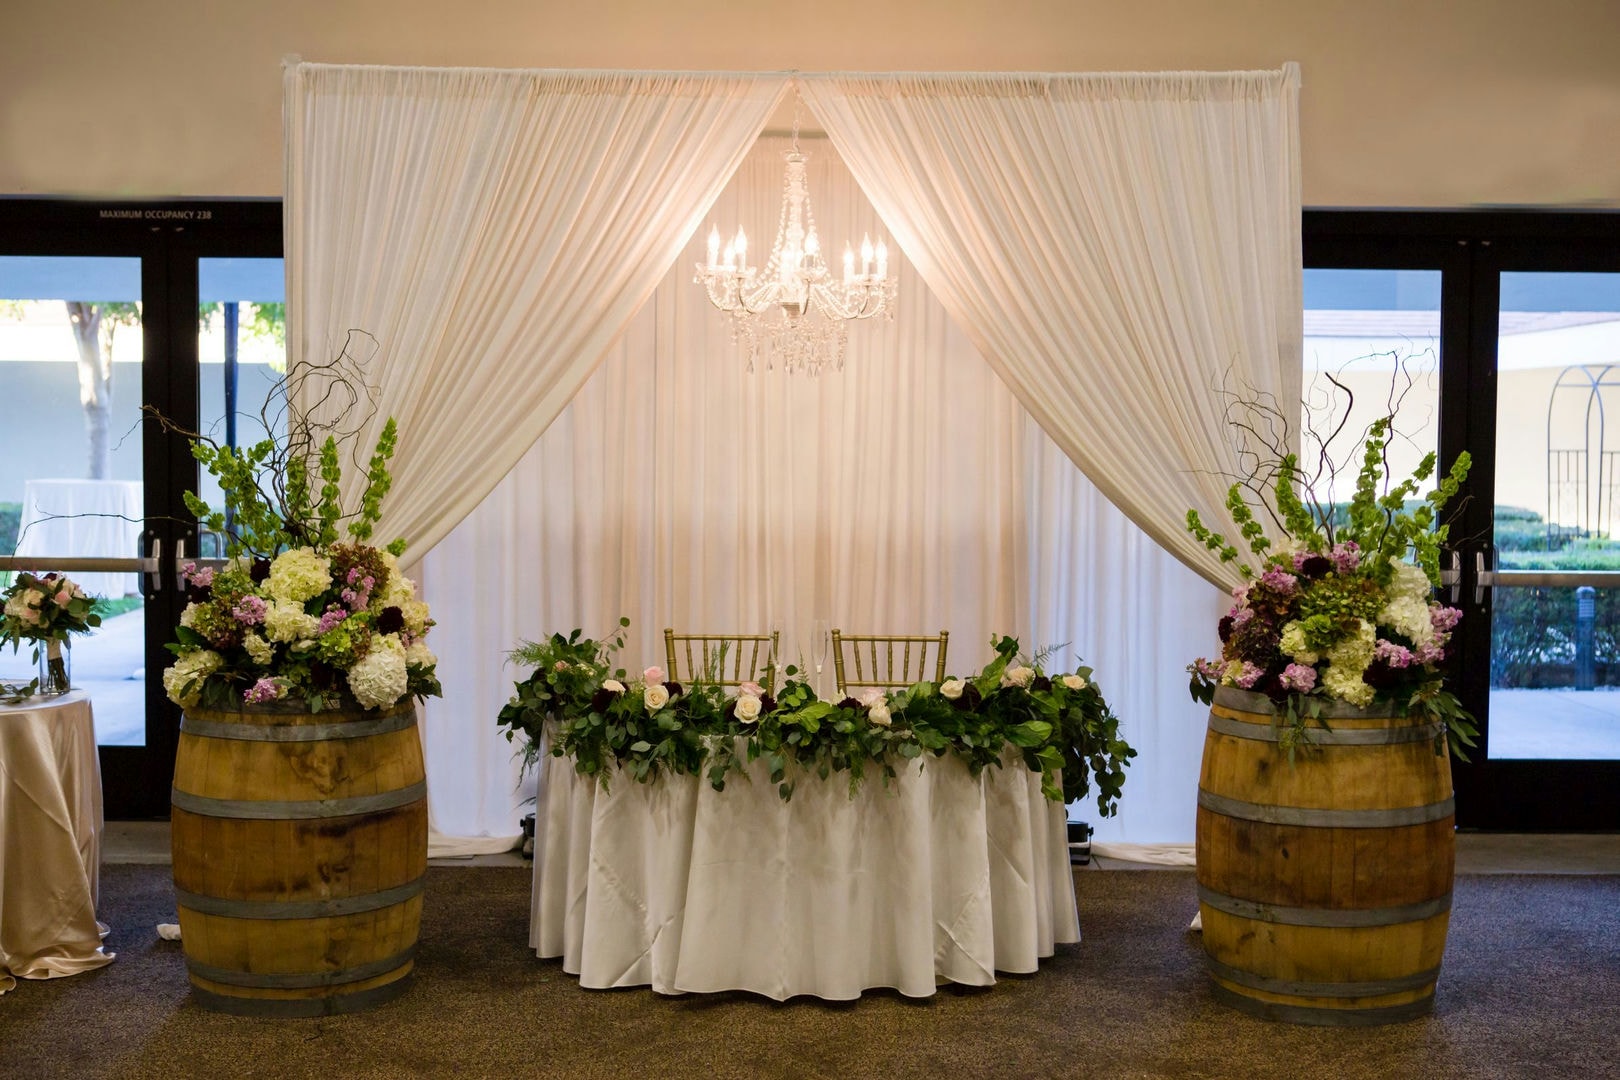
{"x":722,"y":659}
{"x":891,"y":662}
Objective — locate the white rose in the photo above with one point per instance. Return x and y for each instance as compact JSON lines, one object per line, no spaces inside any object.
{"x":879,"y":714}
{"x":748,"y":707}
{"x":614,"y":685}
{"x":952,"y":688}
{"x":1018,"y":676}
{"x":1074,"y":682}
{"x":870,"y":696}
{"x":655,"y":697}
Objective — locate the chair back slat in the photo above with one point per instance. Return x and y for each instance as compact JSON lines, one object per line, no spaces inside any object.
{"x":876,"y":662}
{"x":719,"y":658}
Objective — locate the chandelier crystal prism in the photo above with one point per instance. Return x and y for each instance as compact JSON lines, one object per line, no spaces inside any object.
{"x":793,"y":313}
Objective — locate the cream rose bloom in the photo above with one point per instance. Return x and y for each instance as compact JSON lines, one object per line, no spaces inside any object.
{"x":1018,"y":676}
{"x":879,"y":714}
{"x":379,"y":677}
{"x":952,"y":688}
{"x":655,"y":697}
{"x":299,"y":575}
{"x":614,"y":685}
{"x":1074,"y":682}
{"x":748,"y":707}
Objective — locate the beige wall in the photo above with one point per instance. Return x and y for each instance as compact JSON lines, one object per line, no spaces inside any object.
{"x":1405,"y":102}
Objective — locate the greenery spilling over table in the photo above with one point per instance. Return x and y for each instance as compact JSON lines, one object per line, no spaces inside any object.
{"x":647,"y":726}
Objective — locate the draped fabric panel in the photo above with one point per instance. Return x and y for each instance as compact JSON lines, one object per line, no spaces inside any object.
{"x":910,"y":493}
{"x":491,"y":232}
{"x":1120,"y":247}
{"x":679,"y":490}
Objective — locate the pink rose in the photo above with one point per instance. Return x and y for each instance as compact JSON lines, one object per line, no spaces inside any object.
{"x":654,"y":674}
{"x":63,"y":597}
{"x":753,"y":688}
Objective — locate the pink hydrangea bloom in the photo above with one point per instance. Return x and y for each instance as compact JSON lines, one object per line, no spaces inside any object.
{"x":263,"y":690}
{"x":1250,"y":675}
{"x":1242,"y":615}
{"x":1346,"y":556}
{"x":333,"y":616}
{"x":248,"y":610}
{"x":1444,"y":619}
{"x":1396,"y":656}
{"x":1298,"y":677}
{"x":1430,"y":652}
{"x":1279,"y":580}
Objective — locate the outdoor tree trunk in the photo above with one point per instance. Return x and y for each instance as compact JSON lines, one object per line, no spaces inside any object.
{"x":95,"y":385}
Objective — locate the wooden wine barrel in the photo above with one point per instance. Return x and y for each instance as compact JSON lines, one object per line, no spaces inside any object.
{"x":300,"y":848}
{"x":1324,"y":884}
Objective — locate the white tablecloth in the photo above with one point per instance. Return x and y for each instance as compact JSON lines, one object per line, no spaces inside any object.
{"x":54,"y":525}
{"x":50,"y":840}
{"x":939,"y":878}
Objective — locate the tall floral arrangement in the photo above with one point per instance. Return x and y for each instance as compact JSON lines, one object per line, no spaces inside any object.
{"x":1341,"y":607}
{"x":305,"y":607}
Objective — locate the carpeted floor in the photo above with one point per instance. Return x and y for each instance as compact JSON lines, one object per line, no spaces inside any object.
{"x":1531,"y":988}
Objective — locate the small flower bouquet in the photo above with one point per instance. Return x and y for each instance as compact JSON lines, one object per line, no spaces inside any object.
{"x":305,"y":609}
{"x":599,"y":716}
{"x":45,"y":611}
{"x":1341,"y":608}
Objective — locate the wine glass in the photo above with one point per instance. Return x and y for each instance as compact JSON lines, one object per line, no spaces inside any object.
{"x":820,"y":646}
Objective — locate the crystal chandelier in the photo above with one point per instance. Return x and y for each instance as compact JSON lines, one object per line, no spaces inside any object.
{"x":793,"y":313}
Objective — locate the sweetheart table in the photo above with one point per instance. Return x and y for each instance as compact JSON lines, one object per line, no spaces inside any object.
{"x":940,"y":877}
{"x":50,"y":840}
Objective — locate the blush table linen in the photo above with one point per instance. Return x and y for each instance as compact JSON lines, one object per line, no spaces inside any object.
{"x":940,"y":877}
{"x":50,"y":840}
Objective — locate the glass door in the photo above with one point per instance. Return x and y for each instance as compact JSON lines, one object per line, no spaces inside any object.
{"x":108,"y":312}
{"x":1541,"y":543}
{"x":1511,"y":326}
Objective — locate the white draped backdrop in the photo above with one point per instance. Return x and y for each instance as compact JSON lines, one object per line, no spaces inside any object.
{"x":911,"y":493}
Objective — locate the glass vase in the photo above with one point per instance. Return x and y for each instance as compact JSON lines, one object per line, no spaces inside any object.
{"x":55,"y":668}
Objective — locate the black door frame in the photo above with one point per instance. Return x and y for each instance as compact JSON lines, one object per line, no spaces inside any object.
{"x":1470,"y":248}
{"x":169,"y":237}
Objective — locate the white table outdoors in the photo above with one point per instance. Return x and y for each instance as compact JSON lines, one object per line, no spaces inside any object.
{"x":50,"y":840}
{"x":941,"y":877}
{"x":86,"y":519}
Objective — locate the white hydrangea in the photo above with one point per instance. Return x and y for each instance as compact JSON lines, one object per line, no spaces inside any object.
{"x":1293,"y":643}
{"x":416,"y":617}
{"x":189,"y":616}
{"x":379,"y":678}
{"x":260,"y":651}
{"x":193,"y":667}
{"x":400,"y":589}
{"x":286,"y":621}
{"x":1347,"y":663}
{"x":299,"y":575}
{"x":1347,"y":686}
{"x":419,"y":655}
{"x":1407,"y":612}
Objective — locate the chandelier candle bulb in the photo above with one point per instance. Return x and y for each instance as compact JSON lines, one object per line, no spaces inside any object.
{"x":849,"y":265}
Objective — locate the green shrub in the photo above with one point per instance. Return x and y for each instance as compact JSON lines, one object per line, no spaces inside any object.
{"x":10,"y":522}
